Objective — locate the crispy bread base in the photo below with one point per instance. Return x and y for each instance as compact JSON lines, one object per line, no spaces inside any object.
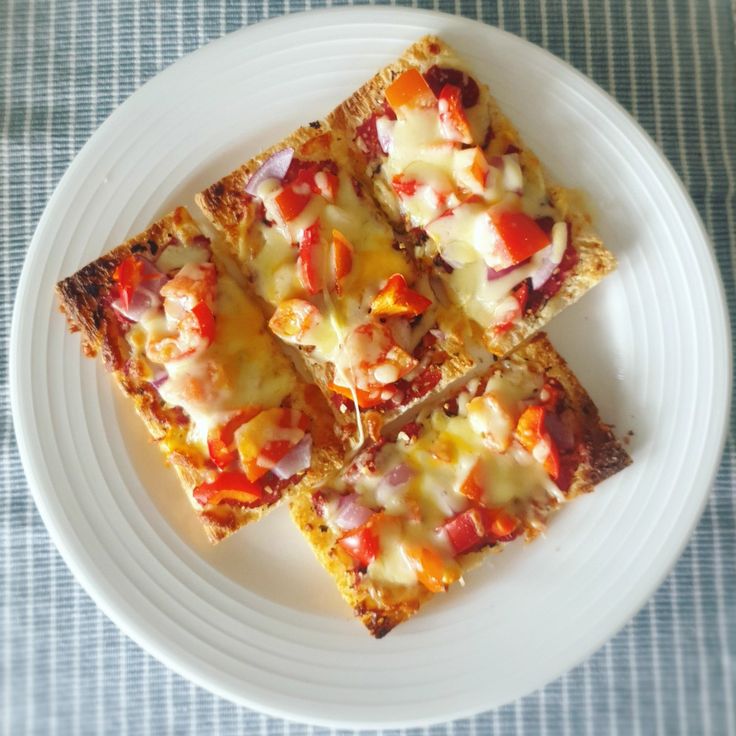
{"x":84,"y":301}
{"x":595,"y":261}
{"x":224,"y":205}
{"x":601,"y":457}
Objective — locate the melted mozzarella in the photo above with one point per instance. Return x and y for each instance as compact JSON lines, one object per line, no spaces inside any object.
{"x":441,"y":459}
{"x":238,"y":369}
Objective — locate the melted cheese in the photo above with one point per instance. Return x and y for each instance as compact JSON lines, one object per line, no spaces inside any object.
{"x":440,"y":460}
{"x":461,"y":231}
{"x":239,"y":368}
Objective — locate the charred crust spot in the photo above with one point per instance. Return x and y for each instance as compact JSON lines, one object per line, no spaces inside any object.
{"x":138,"y":248}
{"x":91,"y":288}
{"x":315,"y":124}
{"x":153,"y":247}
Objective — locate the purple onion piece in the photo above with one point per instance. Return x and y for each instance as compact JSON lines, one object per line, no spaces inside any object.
{"x":297,"y":459}
{"x":546,"y":268}
{"x":399,"y":475}
{"x":383,"y":133}
{"x":351,"y":513}
{"x":160,"y":376}
{"x":142,"y":300}
{"x":274,"y":167}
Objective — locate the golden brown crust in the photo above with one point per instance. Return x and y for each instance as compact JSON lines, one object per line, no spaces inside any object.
{"x":85,"y":300}
{"x":601,"y":456}
{"x":595,"y":261}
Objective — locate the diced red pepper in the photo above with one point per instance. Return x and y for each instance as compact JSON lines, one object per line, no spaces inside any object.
{"x":433,"y":572}
{"x":309,"y":261}
{"x":128,"y":275}
{"x":230,"y":488}
{"x":221,"y":440}
{"x":453,"y":121}
{"x":342,"y":258}
{"x":473,"y":487}
{"x":291,"y":203}
{"x":396,"y":299}
{"x":466,"y":531}
{"x":519,"y":235}
{"x":438,"y":76}
{"x":410,"y":88}
{"x":531,"y":432}
{"x":499,"y":524}
{"x":205,"y":320}
{"x":362,"y":544}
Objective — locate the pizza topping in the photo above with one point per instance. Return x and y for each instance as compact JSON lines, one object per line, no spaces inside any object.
{"x":342,"y":258}
{"x":396,"y":299}
{"x":438,"y":77}
{"x":351,"y":513}
{"x":139,"y":284}
{"x":477,"y":476}
{"x":274,"y":167}
{"x":229,"y":488}
{"x":221,"y":438}
{"x":479,"y":210}
{"x":410,"y":89}
{"x":298,"y":459}
{"x":361,"y":543}
{"x":188,"y":301}
{"x":267,"y":438}
{"x":453,"y":121}
{"x":296,"y":321}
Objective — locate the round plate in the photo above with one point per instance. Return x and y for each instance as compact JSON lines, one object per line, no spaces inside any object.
{"x":255,"y":619}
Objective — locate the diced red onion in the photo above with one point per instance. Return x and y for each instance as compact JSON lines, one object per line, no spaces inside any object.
{"x":142,"y":300}
{"x":298,"y":458}
{"x":546,"y":268}
{"x":384,"y":132}
{"x":160,"y":376}
{"x":492,"y":274}
{"x":437,"y":334}
{"x":351,"y":513}
{"x":274,"y":167}
{"x":399,"y":475}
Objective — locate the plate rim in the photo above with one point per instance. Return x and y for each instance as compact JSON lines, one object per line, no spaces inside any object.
{"x":135,"y":629}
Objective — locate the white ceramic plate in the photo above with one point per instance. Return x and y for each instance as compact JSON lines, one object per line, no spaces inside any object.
{"x":255,"y":619}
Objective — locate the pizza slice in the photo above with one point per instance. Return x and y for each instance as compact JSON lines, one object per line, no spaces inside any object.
{"x":410,"y":515}
{"x":512,"y":248}
{"x":189,"y":346}
{"x":337,"y":282}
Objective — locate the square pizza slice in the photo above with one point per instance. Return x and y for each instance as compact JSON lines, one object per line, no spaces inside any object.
{"x":445,"y":163}
{"x":412,"y":513}
{"x":187,"y":343}
{"x":337,"y":282}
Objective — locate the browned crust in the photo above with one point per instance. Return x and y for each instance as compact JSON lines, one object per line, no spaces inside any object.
{"x":84,"y":300}
{"x":595,"y":261}
{"x":601,"y":456}
{"x":225,"y":206}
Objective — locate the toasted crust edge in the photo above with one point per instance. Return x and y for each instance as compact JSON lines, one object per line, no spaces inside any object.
{"x":595,"y":261}
{"x":602,"y":457}
{"x":81,"y":300}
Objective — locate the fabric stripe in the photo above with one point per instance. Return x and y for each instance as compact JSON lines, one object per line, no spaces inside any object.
{"x":63,"y":68}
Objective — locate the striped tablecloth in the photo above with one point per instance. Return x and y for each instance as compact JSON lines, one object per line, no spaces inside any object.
{"x":63,"y":68}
